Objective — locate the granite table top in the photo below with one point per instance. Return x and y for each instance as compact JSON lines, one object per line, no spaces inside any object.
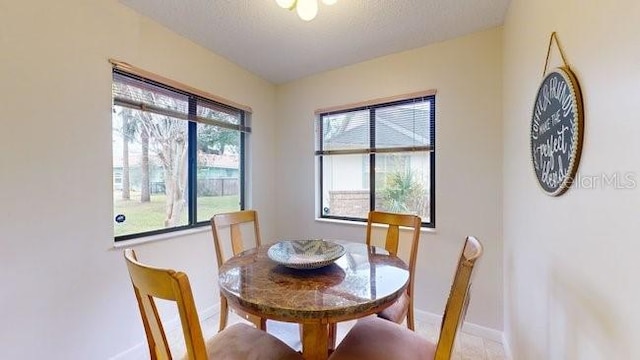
{"x":363,"y":281}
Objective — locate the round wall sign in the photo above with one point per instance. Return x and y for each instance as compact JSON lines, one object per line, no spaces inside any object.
{"x":556,"y":131}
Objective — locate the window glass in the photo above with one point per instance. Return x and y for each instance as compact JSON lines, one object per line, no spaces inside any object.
{"x":177,"y":158}
{"x":150,"y":155}
{"x":379,"y":157}
{"x":402,"y":183}
{"x":345,"y":191}
{"x":218,"y":171}
{"x":348,"y":130}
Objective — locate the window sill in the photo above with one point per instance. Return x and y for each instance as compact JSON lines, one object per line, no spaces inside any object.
{"x":160,"y":237}
{"x":425,"y":230}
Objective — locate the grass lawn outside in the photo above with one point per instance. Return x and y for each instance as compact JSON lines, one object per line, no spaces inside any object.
{"x":141,"y":217}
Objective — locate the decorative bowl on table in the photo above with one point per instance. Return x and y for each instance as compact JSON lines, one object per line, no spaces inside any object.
{"x":305,"y":254}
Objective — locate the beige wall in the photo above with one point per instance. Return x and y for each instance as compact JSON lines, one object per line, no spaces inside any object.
{"x":571,"y":262}
{"x":64,"y":283}
{"x":466,"y":73}
{"x":65,"y":292}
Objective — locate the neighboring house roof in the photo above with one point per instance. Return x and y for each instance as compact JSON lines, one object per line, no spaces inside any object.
{"x":394,"y":127}
{"x":204,"y":159}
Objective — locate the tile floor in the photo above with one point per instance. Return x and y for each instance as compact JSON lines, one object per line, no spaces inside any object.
{"x":468,"y":347}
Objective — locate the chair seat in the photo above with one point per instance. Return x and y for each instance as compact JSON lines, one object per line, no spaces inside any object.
{"x":373,"y":338}
{"x":244,"y":342}
{"x":397,"y":311}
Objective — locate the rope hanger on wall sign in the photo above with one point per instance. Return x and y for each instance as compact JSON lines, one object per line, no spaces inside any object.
{"x":546,"y":62}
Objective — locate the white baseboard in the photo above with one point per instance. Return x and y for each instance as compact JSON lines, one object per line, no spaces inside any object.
{"x":141,"y":350}
{"x":507,"y":348}
{"x":209,"y":312}
{"x":467,"y":327}
{"x":137,"y":352}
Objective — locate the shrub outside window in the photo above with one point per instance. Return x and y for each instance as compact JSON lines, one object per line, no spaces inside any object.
{"x":177,"y":158}
{"x":378,"y":157}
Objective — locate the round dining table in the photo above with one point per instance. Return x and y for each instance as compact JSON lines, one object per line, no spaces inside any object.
{"x":364,"y":281}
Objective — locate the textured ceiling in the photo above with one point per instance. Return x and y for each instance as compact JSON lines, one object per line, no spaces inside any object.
{"x":276,"y":45}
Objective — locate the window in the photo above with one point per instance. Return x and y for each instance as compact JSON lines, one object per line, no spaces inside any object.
{"x":378,"y":157}
{"x":178,"y":158}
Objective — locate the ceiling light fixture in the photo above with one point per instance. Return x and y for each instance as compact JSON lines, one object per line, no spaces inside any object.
{"x":306,"y":9}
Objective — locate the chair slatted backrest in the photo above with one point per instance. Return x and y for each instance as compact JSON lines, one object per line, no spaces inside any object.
{"x":234,"y":221}
{"x":392,"y":242}
{"x":394,"y":222}
{"x":458,"y":301}
{"x":150,"y":283}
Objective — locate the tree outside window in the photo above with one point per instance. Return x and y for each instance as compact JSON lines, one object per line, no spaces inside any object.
{"x":177,"y":158}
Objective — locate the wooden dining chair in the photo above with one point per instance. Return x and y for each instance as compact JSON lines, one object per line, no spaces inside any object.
{"x":403,"y":307}
{"x":373,"y":338}
{"x":229,"y":226}
{"x":237,"y":342}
